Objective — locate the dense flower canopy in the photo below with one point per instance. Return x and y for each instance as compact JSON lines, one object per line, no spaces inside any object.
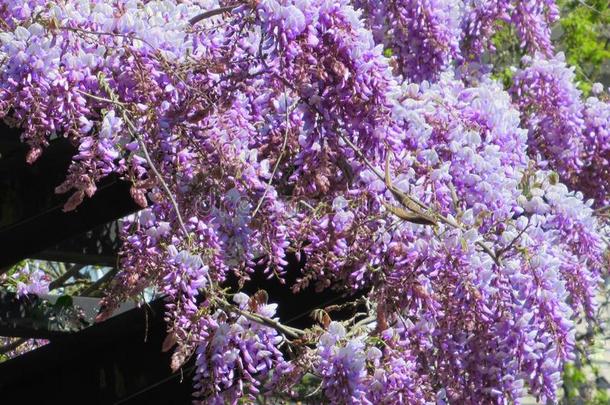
{"x":366,"y":137}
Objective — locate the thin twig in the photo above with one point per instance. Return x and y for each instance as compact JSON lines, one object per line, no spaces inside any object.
{"x":316,"y":391}
{"x":601,"y":210}
{"x":443,"y":218}
{"x":166,"y":188}
{"x":500,"y":252}
{"x":590,"y":7}
{"x":287,"y":330}
{"x":111,"y":34}
{"x":133,"y":131}
{"x":61,"y":280}
{"x":100,"y":99}
{"x":278,"y":161}
{"x":96,"y":286}
{"x":211,"y":13}
{"x":354,"y":329}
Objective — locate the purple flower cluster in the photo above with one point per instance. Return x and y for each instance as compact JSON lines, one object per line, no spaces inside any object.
{"x":424,"y":34}
{"x":552,"y":109}
{"x":532,"y":20}
{"x":30,"y":279}
{"x":565,"y":132}
{"x":236,"y":355}
{"x":279,"y":126}
{"x":342,"y":367}
{"x":353,"y":372}
{"x":594,"y":179}
{"x":427,"y":36}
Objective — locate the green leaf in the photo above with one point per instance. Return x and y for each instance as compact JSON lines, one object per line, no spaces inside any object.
{"x":64,"y":301}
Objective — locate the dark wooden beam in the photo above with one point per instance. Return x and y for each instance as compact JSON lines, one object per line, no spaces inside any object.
{"x":118,"y":361}
{"x":53,"y":255}
{"x":31,"y":214}
{"x":98,"y":246}
{"x":48,"y":316}
{"x":33,"y":317}
{"x":33,"y":234}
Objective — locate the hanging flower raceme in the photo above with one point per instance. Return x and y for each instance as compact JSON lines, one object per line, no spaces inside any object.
{"x":594,"y":179}
{"x":571,"y":135}
{"x":423,"y":34}
{"x":553,"y":112}
{"x":237,"y":354}
{"x":532,"y":20}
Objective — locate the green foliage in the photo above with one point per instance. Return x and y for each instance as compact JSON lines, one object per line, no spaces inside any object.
{"x":580,"y":385}
{"x":507,"y":55}
{"x":64,"y":301}
{"x":582,"y":33}
{"x":573,"y":378}
{"x":584,"y":380}
{"x":585,"y":38}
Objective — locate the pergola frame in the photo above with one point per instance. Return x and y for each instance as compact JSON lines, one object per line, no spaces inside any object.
{"x":116,"y":361}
